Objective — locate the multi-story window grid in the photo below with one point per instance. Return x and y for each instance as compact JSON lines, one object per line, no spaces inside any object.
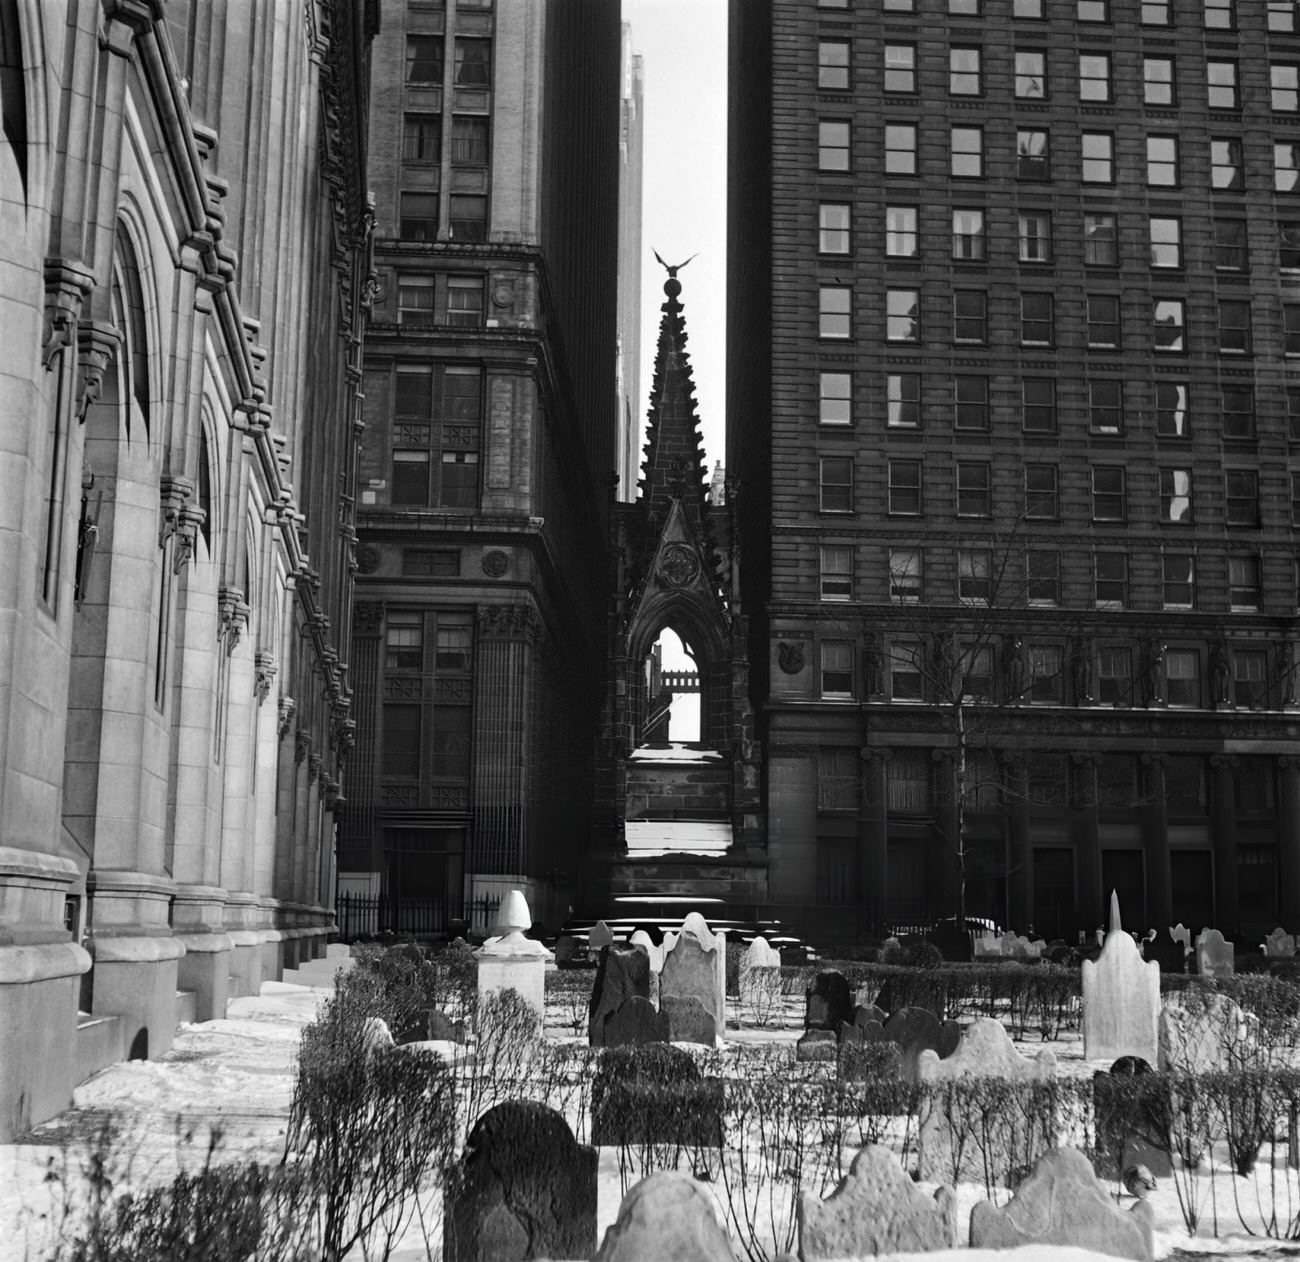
{"x":1243,"y":582}
{"x":900,"y":148}
{"x":1238,"y":410}
{"x":905,"y":575}
{"x":1159,"y":81}
{"x":836,"y":669}
{"x":1176,"y":496}
{"x":905,"y":488}
{"x":436,"y":434}
{"x":1105,"y":406}
{"x":835,"y":398}
{"x":1038,"y":405}
{"x":427,"y":699}
{"x":968,"y":235}
{"x":836,"y":572}
{"x":1172,"y":416}
{"x":832,"y":145}
{"x":1043,"y":576}
{"x":1110,"y":579}
{"x":1166,"y":235}
{"x":903,"y":400}
{"x":971,"y":403}
{"x":836,"y":481}
{"x":1178,"y":577}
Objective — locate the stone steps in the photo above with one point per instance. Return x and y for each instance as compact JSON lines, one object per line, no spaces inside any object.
{"x":321,"y":973}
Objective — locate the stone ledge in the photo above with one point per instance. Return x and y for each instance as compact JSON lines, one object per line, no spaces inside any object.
{"x":137,"y":950}
{"x":20,"y":965}
{"x":35,"y":866}
{"x":204,"y":943}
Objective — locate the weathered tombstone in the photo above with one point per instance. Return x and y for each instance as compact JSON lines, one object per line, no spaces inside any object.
{"x":915,"y":1030}
{"x":953,"y":943}
{"x":666,"y":1215}
{"x":876,"y":1209}
{"x":439,"y":1026}
{"x":1279,"y":945}
{"x":566,"y":950}
{"x":1202,"y":1032}
{"x":695,"y":967}
{"x":1062,"y":1203}
{"x":375,"y":1035}
{"x":816,"y":1045}
{"x":828,"y":1001}
{"x":1181,"y":933}
{"x":1214,"y":956}
{"x":511,"y":961}
{"x":653,"y":949}
{"x":988,"y":947}
{"x":620,"y":975}
{"x":760,"y":980}
{"x":524,"y":1188}
{"x":599,"y":936}
{"x":985,"y":1051}
{"x":867,"y":1026}
{"x":654,"y":1094}
{"x":688,"y":1020}
{"x":635,"y":1022}
{"x":1121,"y":998}
{"x":1129,"y":1119}
{"x":1165,"y":951}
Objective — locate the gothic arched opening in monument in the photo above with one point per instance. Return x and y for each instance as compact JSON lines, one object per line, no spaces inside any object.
{"x":672,"y":692}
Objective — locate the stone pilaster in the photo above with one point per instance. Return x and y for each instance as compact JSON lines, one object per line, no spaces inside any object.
{"x":1155,"y":842}
{"x":1223,"y":840}
{"x":1288,"y":842}
{"x":1020,"y":856}
{"x":1085,"y":834}
{"x":873,"y":838}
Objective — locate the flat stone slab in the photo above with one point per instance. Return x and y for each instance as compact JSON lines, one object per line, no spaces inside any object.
{"x":1062,"y":1202}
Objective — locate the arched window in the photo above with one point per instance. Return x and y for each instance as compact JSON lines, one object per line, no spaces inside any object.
{"x":204,"y":489}
{"x":129,"y":317}
{"x":13,"y":92}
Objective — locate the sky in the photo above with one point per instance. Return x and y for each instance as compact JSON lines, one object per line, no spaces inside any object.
{"x":684,"y":209}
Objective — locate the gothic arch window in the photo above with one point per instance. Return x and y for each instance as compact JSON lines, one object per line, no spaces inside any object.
{"x":13,"y":93}
{"x":203,"y":487}
{"x":129,"y":318}
{"x":672,"y":696}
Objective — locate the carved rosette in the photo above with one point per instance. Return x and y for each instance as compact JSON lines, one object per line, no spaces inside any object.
{"x":679,"y":566}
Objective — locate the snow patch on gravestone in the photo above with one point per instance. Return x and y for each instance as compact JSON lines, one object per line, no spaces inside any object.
{"x":1121,"y":998}
{"x":667,"y":1215}
{"x":875,"y":1209}
{"x":1062,"y":1203}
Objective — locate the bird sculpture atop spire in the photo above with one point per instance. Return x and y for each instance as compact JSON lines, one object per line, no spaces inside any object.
{"x":671,"y":268}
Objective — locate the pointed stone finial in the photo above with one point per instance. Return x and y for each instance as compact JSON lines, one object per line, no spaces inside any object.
{"x":1115,"y":926}
{"x":514,"y":916}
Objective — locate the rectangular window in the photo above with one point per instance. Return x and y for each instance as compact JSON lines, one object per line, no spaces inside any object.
{"x":1114,"y":675}
{"x":906,"y":681}
{"x":1250,"y":679}
{"x":965,"y":8}
{"x":465,"y":301}
{"x":964,"y":76}
{"x":1035,"y":237}
{"x":1038,"y":405}
{"x":1027,"y":9}
{"x":1094,"y":77}
{"x":975,"y":671}
{"x":834,"y":311}
{"x":1036,"y":320}
{"x":424,"y":56}
{"x":1241,"y":498}
{"x":1286,"y":166}
{"x":1169,"y":322}
{"x":1156,"y":13}
{"x":1176,"y":496}
{"x":1295,"y":499}
{"x":1110,"y":579}
{"x":1243,"y":582}
{"x":469,"y":140}
{"x":468,"y":215}
{"x":970,"y":322}
{"x":968,"y":235}
{"x":836,"y":572}
{"x":1105,"y":406}
{"x":836,"y":484}
{"x":1282,"y":15}
{"x":473,"y":63}
{"x":1100,"y":241}
{"x":1178,"y":570}
{"x":1166,"y":241}
{"x":974,"y":575}
{"x":837,"y":668}
{"x":902,"y":315}
{"x":1172,"y":418}
{"x":1031,"y":74}
{"x":1162,"y":161}
{"x":905,"y":488}
{"x":900,"y":68}
{"x":1230,"y":245}
{"x":1033,"y":154}
{"x":1288,"y":244}
{"x":1041,"y":499}
{"x":410,"y":478}
{"x":838,"y":775}
{"x":401,"y":741}
{"x":833,"y":64}
{"x":415,"y":301}
{"x":1092,"y":10}
{"x":1234,"y":327}
{"x":1046,"y":674}
{"x":421,"y":137}
{"x":1220,"y":15}
{"x":1043,"y":575}
{"x":1221,"y":84}
{"x":974,"y":494}
{"x":900,"y":148}
{"x":1238,"y":412}
{"x":1291,"y":328}
{"x":1284,"y":80}
{"x":1293,"y":413}
{"x":1103,"y":320}
{"x":418,"y":217}
{"x":1225,"y":166}
{"x":903,"y":399}
{"x":901,"y":239}
{"x":967,"y":152}
{"x":1108,"y":493}
{"x":1098,"y":161}
{"x":833,"y":228}
{"x":832,"y":145}
{"x":1182,"y":677}
{"x":971,"y":403}
{"x":430,"y":562}
{"x":835,"y":398}
{"x":1159,"y":83}
{"x":905,"y":575}
{"x":459,"y":487}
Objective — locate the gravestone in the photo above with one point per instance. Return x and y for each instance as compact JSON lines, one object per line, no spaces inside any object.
{"x":828,"y":1001}
{"x":1121,"y":998}
{"x":867,"y":1026}
{"x":1128,"y":1115}
{"x":760,"y":979}
{"x":636,"y":1021}
{"x":1279,"y":945}
{"x":988,"y":947}
{"x":375,"y":1035}
{"x":511,"y":961}
{"x":599,"y":937}
{"x":566,"y":951}
{"x":440,"y":1026}
{"x":654,"y":1095}
{"x":1062,"y":1203}
{"x":1165,"y":951}
{"x":1203,"y":1032}
{"x":984,"y":1051}
{"x":666,"y":1215}
{"x":875,"y":1209}
{"x":954,"y":944}
{"x":620,"y":975}
{"x":816,"y":1046}
{"x":1214,"y":956}
{"x":1181,"y":933}
{"x":644,"y":942}
{"x":695,"y":967}
{"x":916,"y":1030}
{"x":688,"y":1020}
{"x":524,"y":1188}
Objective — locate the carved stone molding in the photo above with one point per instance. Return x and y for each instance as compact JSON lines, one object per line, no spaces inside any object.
{"x":174,"y":492}
{"x":284,"y":713}
{"x":790,"y":656}
{"x":96,"y":345}
{"x":508,"y":622}
{"x":301,"y":745}
{"x":266,"y":670}
{"x":187,"y":532}
{"x":314,"y":762}
{"x":368,"y":617}
{"x":67,"y":282}
{"x":232,"y":617}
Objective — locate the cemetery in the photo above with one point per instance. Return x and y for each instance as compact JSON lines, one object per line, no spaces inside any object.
{"x":697,"y":1099}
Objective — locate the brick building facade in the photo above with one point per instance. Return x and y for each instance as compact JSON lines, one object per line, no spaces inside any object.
{"x":1015,"y":312}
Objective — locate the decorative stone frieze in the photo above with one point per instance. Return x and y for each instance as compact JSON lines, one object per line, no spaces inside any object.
{"x":509,"y":622}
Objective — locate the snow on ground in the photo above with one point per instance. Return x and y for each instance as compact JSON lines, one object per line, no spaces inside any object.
{"x":234,"y":1078}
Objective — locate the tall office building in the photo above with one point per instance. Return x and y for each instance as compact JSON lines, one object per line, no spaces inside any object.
{"x":1014,"y":319}
{"x":488,"y":454}
{"x":631,"y":149}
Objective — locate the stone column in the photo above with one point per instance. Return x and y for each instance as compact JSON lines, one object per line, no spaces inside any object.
{"x":945,"y":859}
{"x":1288,"y":842}
{"x":873,"y":838}
{"x":1223,"y":839}
{"x":1155,"y":843}
{"x":1020,"y":857}
{"x":1085,"y":834}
